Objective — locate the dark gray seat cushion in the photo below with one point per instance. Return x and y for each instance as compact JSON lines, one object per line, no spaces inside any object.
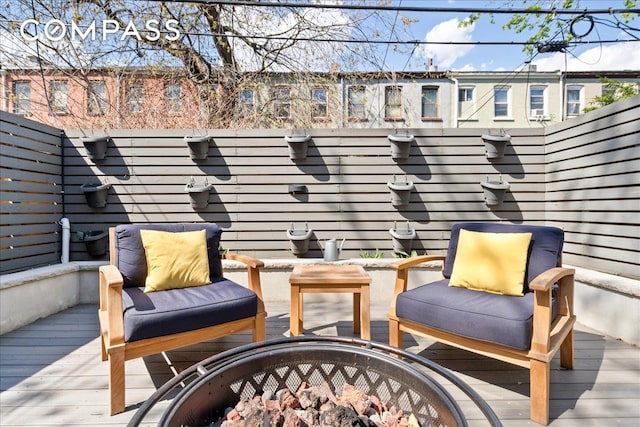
{"x":178,"y":310}
{"x":500,"y":319}
{"x":129,"y":251}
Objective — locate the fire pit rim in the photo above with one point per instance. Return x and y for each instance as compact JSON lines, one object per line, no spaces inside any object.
{"x":229,"y":356}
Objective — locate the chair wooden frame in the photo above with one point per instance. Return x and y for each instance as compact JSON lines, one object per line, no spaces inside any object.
{"x":548,"y":336}
{"x":117,"y":351}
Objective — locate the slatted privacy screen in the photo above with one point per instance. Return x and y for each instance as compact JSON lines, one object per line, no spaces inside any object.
{"x":345,"y":173}
{"x":30,"y":194}
{"x":593,"y":187}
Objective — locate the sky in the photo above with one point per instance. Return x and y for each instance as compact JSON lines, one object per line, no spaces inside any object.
{"x":436,"y":27}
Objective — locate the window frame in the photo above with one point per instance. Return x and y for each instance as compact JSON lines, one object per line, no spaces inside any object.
{"x":282,"y":103}
{"x":96,"y":103}
{"x":507,"y":102}
{"x":19,"y":102}
{"x":135,"y":98}
{"x":540,"y":98}
{"x":579,"y":102}
{"x":59,"y":97}
{"x":353,"y":108}
{"x":466,"y":103}
{"x":390,"y":109}
{"x":173,"y":103}
{"x":319,"y":104}
{"x":435,"y":103}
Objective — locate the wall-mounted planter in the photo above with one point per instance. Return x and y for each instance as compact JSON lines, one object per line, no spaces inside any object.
{"x":400,"y":145}
{"x":494,"y":191}
{"x":494,"y":145}
{"x":298,"y":146}
{"x":95,"y":241}
{"x":96,"y":146}
{"x":198,"y":146}
{"x":96,"y":194}
{"x":299,"y":240}
{"x":198,"y":194}
{"x":402,"y":238}
{"x":400,"y":191}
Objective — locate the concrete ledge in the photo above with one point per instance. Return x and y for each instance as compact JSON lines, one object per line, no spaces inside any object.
{"x":607,"y":303}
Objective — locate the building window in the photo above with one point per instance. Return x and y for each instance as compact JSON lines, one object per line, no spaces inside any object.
{"x":356,"y":103}
{"x":574,"y":100}
{"x":247,"y":101}
{"x":393,"y":103}
{"x":319,"y":103}
{"x":466,"y":101}
{"x":97,"y":97}
{"x":21,"y":97}
{"x":135,"y":98}
{"x":282,"y":105}
{"x":430,"y":102}
{"x":536,"y":100}
{"x":501,"y":102}
{"x":173,"y":94}
{"x":58,"y":96}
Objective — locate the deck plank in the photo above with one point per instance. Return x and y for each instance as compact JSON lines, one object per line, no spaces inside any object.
{"x":51,"y":373}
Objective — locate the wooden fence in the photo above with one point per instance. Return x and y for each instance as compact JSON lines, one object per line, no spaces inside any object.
{"x":581,"y":175}
{"x":30,"y":193}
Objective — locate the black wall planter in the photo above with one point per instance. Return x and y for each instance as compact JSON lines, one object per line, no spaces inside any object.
{"x":96,"y":147}
{"x":494,"y":191}
{"x":400,"y":145}
{"x":402,"y":239}
{"x":198,"y":194}
{"x":96,"y":194}
{"x":299,"y":240}
{"x":298,"y":146}
{"x":95,"y":242}
{"x":400,"y":192}
{"x":198,"y":146}
{"x":494,"y":145}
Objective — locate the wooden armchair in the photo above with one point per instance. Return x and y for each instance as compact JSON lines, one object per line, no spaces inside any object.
{"x":523,"y":330}
{"x":136,"y":324}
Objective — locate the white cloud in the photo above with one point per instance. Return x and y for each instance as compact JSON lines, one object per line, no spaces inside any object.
{"x":611,"y":57}
{"x":445,"y":55}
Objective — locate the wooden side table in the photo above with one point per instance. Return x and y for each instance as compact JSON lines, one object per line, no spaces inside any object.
{"x":331,"y":278}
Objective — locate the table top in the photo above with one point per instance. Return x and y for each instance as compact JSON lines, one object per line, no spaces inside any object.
{"x":329,"y":273}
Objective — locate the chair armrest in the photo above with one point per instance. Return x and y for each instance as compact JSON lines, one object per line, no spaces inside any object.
{"x":246,"y":260}
{"x":111,"y":316}
{"x":542,"y":343}
{"x":402,"y":275}
{"x":545,"y":280}
{"x":410,"y":262}
{"x":253,"y":271}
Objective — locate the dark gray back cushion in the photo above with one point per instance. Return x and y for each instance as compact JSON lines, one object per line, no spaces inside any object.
{"x":129,"y":251}
{"x":545,"y":249}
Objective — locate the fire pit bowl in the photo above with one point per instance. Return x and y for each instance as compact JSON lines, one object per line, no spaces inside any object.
{"x":397,"y":377}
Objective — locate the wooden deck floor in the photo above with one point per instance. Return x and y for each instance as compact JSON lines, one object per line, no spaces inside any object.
{"x":51,"y":373}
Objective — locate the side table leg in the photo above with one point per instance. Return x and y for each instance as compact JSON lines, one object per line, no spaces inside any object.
{"x":356,"y":312}
{"x":364,"y":311}
{"x":295,"y":312}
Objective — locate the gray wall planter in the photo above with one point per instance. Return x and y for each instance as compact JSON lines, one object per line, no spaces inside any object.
{"x":299,"y":240}
{"x":400,"y":192}
{"x":198,"y":194}
{"x":298,"y":146}
{"x":400,"y":145}
{"x":402,"y":239}
{"x":96,"y":194}
{"x":198,"y":146}
{"x":494,"y":145}
{"x":494,"y":191}
{"x":95,"y":241}
{"x":96,"y":146}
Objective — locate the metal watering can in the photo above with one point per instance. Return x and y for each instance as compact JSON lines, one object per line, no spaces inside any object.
{"x":332,"y":250}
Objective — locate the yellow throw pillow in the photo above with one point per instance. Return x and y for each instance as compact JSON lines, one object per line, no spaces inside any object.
{"x":175,"y":260}
{"x":492,"y":262}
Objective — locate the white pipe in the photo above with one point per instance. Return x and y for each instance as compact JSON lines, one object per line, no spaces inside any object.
{"x":66,"y":237}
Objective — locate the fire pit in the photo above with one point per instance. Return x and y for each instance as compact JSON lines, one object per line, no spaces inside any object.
{"x":396,"y":377}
